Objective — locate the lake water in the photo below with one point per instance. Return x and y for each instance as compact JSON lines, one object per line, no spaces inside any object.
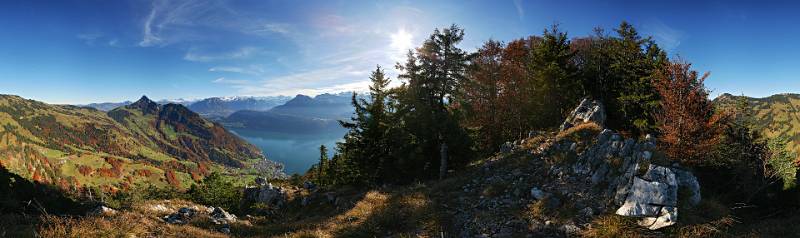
{"x":296,"y":152}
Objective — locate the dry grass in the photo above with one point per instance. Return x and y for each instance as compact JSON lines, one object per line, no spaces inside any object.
{"x":771,"y":227}
{"x":611,"y":225}
{"x":378,"y":214}
{"x":580,"y":133}
{"x":708,"y":219}
{"x":142,"y":221}
{"x":540,"y":211}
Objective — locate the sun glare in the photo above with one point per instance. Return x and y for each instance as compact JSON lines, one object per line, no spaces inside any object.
{"x":401,"y":40}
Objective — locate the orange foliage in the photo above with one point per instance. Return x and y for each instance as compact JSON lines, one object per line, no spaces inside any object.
{"x":202,"y":168}
{"x":143,"y":173}
{"x":687,"y":122}
{"x":85,"y":170}
{"x":37,"y":177}
{"x":171,"y":179}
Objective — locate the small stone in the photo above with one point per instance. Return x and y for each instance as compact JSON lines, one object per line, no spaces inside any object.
{"x":538,"y":194}
{"x":646,"y":155}
{"x":587,"y":212}
{"x":103,"y":210}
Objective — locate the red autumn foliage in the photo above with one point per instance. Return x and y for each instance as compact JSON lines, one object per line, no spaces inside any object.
{"x":37,"y":177}
{"x":498,"y":92}
{"x":687,"y":122}
{"x":85,"y":170}
{"x":143,"y":173}
{"x":196,"y":175}
{"x":203,"y":168}
{"x":63,"y":184}
{"x":116,"y":164}
{"x":171,"y":179}
{"x":105,"y":172}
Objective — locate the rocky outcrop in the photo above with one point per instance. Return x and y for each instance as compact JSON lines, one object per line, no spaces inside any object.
{"x":624,"y":171}
{"x":587,"y":111}
{"x":220,"y":216}
{"x":181,"y":217}
{"x":265,"y":193}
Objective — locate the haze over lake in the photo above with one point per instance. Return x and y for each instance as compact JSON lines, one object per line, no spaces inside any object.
{"x":297,"y":152}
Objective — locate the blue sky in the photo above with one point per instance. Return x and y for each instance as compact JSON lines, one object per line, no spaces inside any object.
{"x":96,"y":51}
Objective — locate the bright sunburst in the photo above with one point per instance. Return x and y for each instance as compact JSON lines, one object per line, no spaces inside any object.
{"x":401,"y":40}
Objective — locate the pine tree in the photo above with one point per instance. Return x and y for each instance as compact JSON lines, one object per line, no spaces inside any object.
{"x":434,"y":75}
{"x":554,"y":76}
{"x":322,"y":167}
{"x":634,"y":62}
{"x":368,"y":128}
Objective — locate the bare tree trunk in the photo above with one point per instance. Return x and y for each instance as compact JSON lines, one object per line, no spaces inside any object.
{"x":443,"y":163}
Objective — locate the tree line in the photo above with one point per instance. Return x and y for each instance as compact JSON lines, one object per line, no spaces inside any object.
{"x":453,"y":105}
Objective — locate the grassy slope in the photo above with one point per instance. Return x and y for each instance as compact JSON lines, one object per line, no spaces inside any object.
{"x":75,"y":147}
{"x":774,"y":116}
{"x":428,"y":209}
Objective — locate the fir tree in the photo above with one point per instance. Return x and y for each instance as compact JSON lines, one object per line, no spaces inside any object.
{"x":322,"y":167}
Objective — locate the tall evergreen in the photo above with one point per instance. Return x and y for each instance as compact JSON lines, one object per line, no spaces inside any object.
{"x":323,"y":165}
{"x":634,"y":62}
{"x":434,"y":75}
{"x":368,"y":128}
{"x":554,"y":75}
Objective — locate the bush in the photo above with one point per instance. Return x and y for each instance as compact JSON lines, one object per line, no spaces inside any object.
{"x":215,"y":190}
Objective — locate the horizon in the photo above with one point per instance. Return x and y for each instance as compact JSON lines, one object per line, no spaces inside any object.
{"x":78,"y":52}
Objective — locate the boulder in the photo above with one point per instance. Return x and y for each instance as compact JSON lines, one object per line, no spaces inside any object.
{"x":688,"y":185}
{"x":182,"y":216}
{"x":587,"y":111}
{"x":220,"y":216}
{"x":654,"y":196}
{"x":268,"y":194}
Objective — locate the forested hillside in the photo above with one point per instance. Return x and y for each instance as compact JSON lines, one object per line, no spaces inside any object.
{"x":776,"y":116}
{"x":141,"y":144}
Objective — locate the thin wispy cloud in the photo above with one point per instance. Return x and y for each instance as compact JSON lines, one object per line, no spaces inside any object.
{"x":250,"y":70}
{"x":280,"y":28}
{"x":89,"y":38}
{"x":667,"y":37}
{"x":197,"y":55}
{"x":520,"y":10}
{"x":223,"y":80}
{"x":324,"y":80}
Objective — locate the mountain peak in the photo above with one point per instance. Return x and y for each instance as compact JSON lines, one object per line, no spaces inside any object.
{"x":146,"y":105}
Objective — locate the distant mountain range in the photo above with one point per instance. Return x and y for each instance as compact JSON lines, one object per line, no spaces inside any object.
{"x":217,"y":107}
{"x":214,"y":107}
{"x":774,"y":116}
{"x":300,"y":114}
{"x":140,"y":143}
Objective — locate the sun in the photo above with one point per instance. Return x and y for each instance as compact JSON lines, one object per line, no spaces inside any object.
{"x":401,"y":40}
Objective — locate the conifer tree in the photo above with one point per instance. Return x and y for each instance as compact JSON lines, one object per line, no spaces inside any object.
{"x":434,"y":74}
{"x":369,"y":127}
{"x":322,"y":167}
{"x":554,"y":75}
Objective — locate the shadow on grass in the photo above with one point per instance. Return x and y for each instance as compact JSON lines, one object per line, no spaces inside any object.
{"x":22,"y":201}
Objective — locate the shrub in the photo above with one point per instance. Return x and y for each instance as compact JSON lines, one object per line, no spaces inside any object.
{"x":215,"y":190}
